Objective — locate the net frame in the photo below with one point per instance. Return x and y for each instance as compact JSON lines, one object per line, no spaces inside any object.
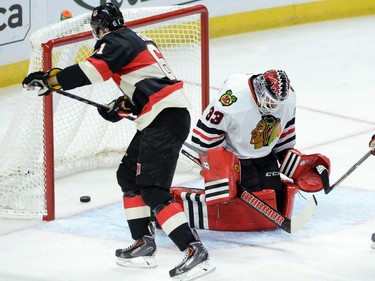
{"x":48,"y":47}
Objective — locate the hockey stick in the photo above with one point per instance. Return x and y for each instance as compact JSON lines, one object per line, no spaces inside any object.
{"x":89,"y":102}
{"x":275,"y":216}
{"x":196,"y":160}
{"x":262,"y":207}
{"x":72,"y":96}
{"x":328,"y":188}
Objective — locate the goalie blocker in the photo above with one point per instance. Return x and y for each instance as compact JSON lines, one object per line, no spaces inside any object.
{"x":217,"y":207}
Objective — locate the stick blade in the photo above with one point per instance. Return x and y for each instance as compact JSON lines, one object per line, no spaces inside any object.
{"x":307,"y":213}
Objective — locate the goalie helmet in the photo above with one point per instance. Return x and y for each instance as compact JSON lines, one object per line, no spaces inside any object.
{"x":271,"y":89}
{"x":106,"y":17}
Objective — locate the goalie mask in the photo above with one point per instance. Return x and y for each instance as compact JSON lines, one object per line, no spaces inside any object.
{"x":106,"y":17}
{"x":271,"y":89}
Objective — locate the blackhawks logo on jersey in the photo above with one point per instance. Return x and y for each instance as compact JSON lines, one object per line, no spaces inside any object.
{"x":227,"y":98}
{"x":266,"y":131}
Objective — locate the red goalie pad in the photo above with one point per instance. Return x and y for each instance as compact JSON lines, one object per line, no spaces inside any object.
{"x":234,"y":215}
{"x":301,"y":168}
{"x":221,"y":172}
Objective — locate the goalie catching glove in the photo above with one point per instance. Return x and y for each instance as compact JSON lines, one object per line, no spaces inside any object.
{"x":301,"y":168}
{"x":39,"y":79}
{"x":118,"y":109}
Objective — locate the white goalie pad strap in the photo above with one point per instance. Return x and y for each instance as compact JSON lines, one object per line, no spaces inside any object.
{"x":216,"y":189}
{"x":290,"y":164}
{"x":195,"y":209}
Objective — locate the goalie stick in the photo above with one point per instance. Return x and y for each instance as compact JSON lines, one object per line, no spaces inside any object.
{"x":89,"y":102}
{"x":326,"y":185}
{"x":286,"y":224}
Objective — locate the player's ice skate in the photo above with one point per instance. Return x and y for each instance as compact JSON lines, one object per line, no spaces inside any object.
{"x":140,"y":254}
{"x":194,"y":264}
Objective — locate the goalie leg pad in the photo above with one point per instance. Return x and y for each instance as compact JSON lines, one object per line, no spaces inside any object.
{"x":291,"y":190}
{"x":224,"y":216}
{"x":221,"y":172}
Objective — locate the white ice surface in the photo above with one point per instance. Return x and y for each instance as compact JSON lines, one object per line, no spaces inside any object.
{"x":331,"y":67}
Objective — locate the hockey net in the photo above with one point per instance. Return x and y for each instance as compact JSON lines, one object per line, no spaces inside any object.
{"x":56,"y":136}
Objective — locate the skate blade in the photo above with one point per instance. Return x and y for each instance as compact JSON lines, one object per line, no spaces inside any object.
{"x":139,"y":262}
{"x":196,"y":272}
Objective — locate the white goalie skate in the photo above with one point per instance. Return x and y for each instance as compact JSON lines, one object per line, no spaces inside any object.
{"x":141,"y":254}
{"x":194,"y":265}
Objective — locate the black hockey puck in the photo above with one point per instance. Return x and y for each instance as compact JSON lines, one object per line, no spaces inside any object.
{"x":85,"y":199}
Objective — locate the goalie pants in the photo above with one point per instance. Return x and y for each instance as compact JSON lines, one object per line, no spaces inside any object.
{"x":148,"y":167}
{"x":263,"y":173}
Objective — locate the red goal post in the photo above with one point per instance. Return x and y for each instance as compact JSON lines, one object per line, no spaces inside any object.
{"x":68,"y":126}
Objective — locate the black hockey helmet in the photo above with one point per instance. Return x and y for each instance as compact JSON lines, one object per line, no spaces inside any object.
{"x":106,"y":17}
{"x":272,"y":89}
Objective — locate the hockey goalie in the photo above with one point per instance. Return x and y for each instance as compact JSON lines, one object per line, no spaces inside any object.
{"x":245,"y":139}
{"x":218,"y":206}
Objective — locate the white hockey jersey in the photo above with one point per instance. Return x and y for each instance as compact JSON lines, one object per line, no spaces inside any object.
{"x":233,"y":120}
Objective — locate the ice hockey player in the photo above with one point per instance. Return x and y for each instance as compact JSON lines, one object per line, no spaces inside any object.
{"x":252,"y":117}
{"x":156,"y":97}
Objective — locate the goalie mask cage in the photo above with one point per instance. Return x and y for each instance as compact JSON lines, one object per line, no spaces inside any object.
{"x":56,"y":136}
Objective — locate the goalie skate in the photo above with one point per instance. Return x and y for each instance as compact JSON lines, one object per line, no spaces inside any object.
{"x":141,"y":254}
{"x":194,"y":265}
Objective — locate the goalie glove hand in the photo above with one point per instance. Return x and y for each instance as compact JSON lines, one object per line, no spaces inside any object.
{"x":117,"y":109}
{"x":372,"y":144}
{"x":39,"y":79}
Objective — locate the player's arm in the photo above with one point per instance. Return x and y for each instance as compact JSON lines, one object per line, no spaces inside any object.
{"x":286,"y":141}
{"x":55,"y":79}
{"x":95,"y":69}
{"x":107,"y":58}
{"x":71,"y":77}
{"x":210,"y":130}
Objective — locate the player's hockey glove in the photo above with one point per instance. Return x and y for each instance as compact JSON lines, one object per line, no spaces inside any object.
{"x":372,"y":144}
{"x":38,"y":79}
{"x":118,"y":109}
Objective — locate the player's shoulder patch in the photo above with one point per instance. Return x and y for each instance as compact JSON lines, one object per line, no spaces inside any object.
{"x":227,"y":98}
